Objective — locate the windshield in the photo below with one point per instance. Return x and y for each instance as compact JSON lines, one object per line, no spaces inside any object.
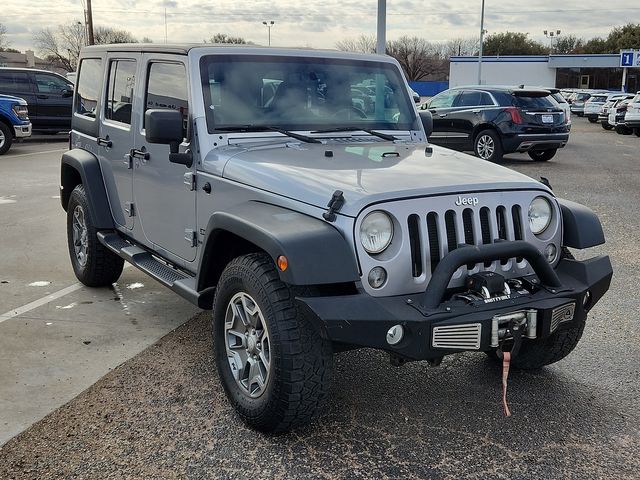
{"x":304,"y":93}
{"x":597,"y":99}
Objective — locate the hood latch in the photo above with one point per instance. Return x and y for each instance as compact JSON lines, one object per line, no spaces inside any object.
{"x":335,"y":204}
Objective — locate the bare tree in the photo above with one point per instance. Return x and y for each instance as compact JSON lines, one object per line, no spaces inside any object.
{"x":418,"y":57}
{"x":4,"y":43}
{"x":460,"y":46}
{"x":105,"y":35}
{"x":61,"y":46}
{"x":361,"y":44}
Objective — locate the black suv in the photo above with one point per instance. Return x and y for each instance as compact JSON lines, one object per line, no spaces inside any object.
{"x":493,"y":121}
{"x":48,"y":95}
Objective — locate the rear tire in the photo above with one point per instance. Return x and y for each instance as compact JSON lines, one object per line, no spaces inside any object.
{"x":542,"y":155}
{"x":290,"y":382}
{"x":636,"y":131}
{"x":6,"y":138}
{"x":487,"y":146}
{"x":622,"y":130}
{"x":593,"y":120}
{"x":606,"y":125}
{"x":93,"y":263}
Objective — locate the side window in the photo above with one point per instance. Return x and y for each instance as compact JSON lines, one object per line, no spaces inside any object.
{"x":485,"y":99}
{"x":444,"y":100}
{"x":167,"y":88}
{"x":50,"y":84}
{"x":468,"y":99}
{"x":122,"y":78}
{"x":88,"y":86}
{"x":11,"y":82}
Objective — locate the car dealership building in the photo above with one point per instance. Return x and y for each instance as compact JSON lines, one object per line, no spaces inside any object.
{"x":561,"y":71}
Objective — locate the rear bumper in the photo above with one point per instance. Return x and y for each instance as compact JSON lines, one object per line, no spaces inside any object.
{"x":363,"y":321}
{"x":538,"y":141}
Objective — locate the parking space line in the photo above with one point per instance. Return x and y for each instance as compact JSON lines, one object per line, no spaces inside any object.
{"x":38,"y":303}
{"x":37,"y":153}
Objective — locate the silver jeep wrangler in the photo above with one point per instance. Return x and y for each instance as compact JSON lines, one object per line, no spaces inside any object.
{"x":295,"y":194}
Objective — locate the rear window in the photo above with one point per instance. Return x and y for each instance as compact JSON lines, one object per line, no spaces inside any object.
{"x":88,"y":86}
{"x":598,"y":98}
{"x":533,"y":102}
{"x":559,"y":98}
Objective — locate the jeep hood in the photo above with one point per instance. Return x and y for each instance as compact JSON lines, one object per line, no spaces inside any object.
{"x":21,"y":101}
{"x":365,"y":172}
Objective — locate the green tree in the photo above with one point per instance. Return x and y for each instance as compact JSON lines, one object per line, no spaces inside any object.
{"x":627,"y":36}
{"x":568,"y":44}
{"x":512,"y":43}
{"x":595,"y":45}
{"x":225,"y":38}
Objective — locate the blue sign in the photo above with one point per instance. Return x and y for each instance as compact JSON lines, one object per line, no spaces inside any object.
{"x":627,"y":58}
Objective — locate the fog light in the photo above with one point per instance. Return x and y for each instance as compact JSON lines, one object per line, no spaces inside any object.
{"x":377,"y":277}
{"x":550,"y":253}
{"x":395,"y":334}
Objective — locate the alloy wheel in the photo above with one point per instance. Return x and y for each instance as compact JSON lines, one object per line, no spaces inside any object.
{"x":248,"y":344}
{"x":80,"y":235}
{"x":485,"y":147}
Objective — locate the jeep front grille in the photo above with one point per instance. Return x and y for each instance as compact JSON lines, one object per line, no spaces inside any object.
{"x":447,"y":232}
{"x":429,"y":228}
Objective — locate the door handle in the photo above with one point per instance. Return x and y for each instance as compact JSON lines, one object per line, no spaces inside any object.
{"x":141,"y":154}
{"x":442,"y":115}
{"x":43,"y":97}
{"x":476,"y":110}
{"x":104,"y":142}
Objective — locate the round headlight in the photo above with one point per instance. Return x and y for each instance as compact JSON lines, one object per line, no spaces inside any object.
{"x":376,"y":232}
{"x":540,"y":212}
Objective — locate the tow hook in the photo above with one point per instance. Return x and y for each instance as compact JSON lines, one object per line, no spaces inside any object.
{"x":513,"y":332}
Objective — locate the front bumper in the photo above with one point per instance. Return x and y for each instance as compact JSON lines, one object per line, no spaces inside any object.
{"x":22,"y":131}
{"x":538,"y":141}
{"x":360,"y":320}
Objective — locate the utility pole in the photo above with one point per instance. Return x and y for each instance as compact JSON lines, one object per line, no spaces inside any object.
{"x":381,"y":47}
{"x":481,"y":45}
{"x":269,"y":25}
{"x":90,"y":23}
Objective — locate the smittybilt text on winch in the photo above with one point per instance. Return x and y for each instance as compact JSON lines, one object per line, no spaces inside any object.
{"x":294,"y":193}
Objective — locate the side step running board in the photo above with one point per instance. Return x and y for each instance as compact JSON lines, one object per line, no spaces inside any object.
{"x":178,"y":281}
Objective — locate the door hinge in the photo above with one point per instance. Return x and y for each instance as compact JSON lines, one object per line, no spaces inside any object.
{"x":191,"y":236}
{"x":129,"y":207}
{"x":128,"y":161}
{"x":190,"y":180}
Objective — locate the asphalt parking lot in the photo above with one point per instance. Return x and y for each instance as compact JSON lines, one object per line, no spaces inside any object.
{"x":162,"y":413}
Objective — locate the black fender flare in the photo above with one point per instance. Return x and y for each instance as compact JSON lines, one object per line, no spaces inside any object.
{"x":316,"y":251}
{"x":581,"y":226}
{"x":80,"y":166}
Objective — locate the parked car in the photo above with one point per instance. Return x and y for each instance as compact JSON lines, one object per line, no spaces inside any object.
{"x":603,"y":115}
{"x":616,"y":116}
{"x":494,"y":120}
{"x":632,"y":117}
{"x":14,"y":121}
{"x":564,"y":105}
{"x":577,"y":102}
{"x":48,"y":95}
{"x":308,"y":226}
{"x":592,"y":107}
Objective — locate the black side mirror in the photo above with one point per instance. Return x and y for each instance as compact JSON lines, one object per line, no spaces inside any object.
{"x":427,"y":122}
{"x":67,"y":93}
{"x":165,"y":126}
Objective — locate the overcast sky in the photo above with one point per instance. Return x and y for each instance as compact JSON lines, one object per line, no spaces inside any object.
{"x":317,"y":23}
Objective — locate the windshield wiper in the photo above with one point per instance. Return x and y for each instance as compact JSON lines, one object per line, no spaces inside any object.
{"x":267,"y":128}
{"x":384,"y":136}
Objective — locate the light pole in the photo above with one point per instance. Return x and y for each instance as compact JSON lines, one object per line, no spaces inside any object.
{"x":550,"y":34}
{"x":269,"y":25}
{"x":481,"y":44}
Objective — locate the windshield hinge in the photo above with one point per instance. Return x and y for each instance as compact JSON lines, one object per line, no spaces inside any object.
{"x":190,"y":180}
{"x":335,"y":204}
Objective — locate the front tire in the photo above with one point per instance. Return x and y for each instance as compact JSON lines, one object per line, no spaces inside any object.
{"x":636,"y":131}
{"x":93,"y":263}
{"x":593,"y":120}
{"x":606,"y":126}
{"x":487,"y":146}
{"x":6,"y":138}
{"x":542,"y":155}
{"x":275,"y":365}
